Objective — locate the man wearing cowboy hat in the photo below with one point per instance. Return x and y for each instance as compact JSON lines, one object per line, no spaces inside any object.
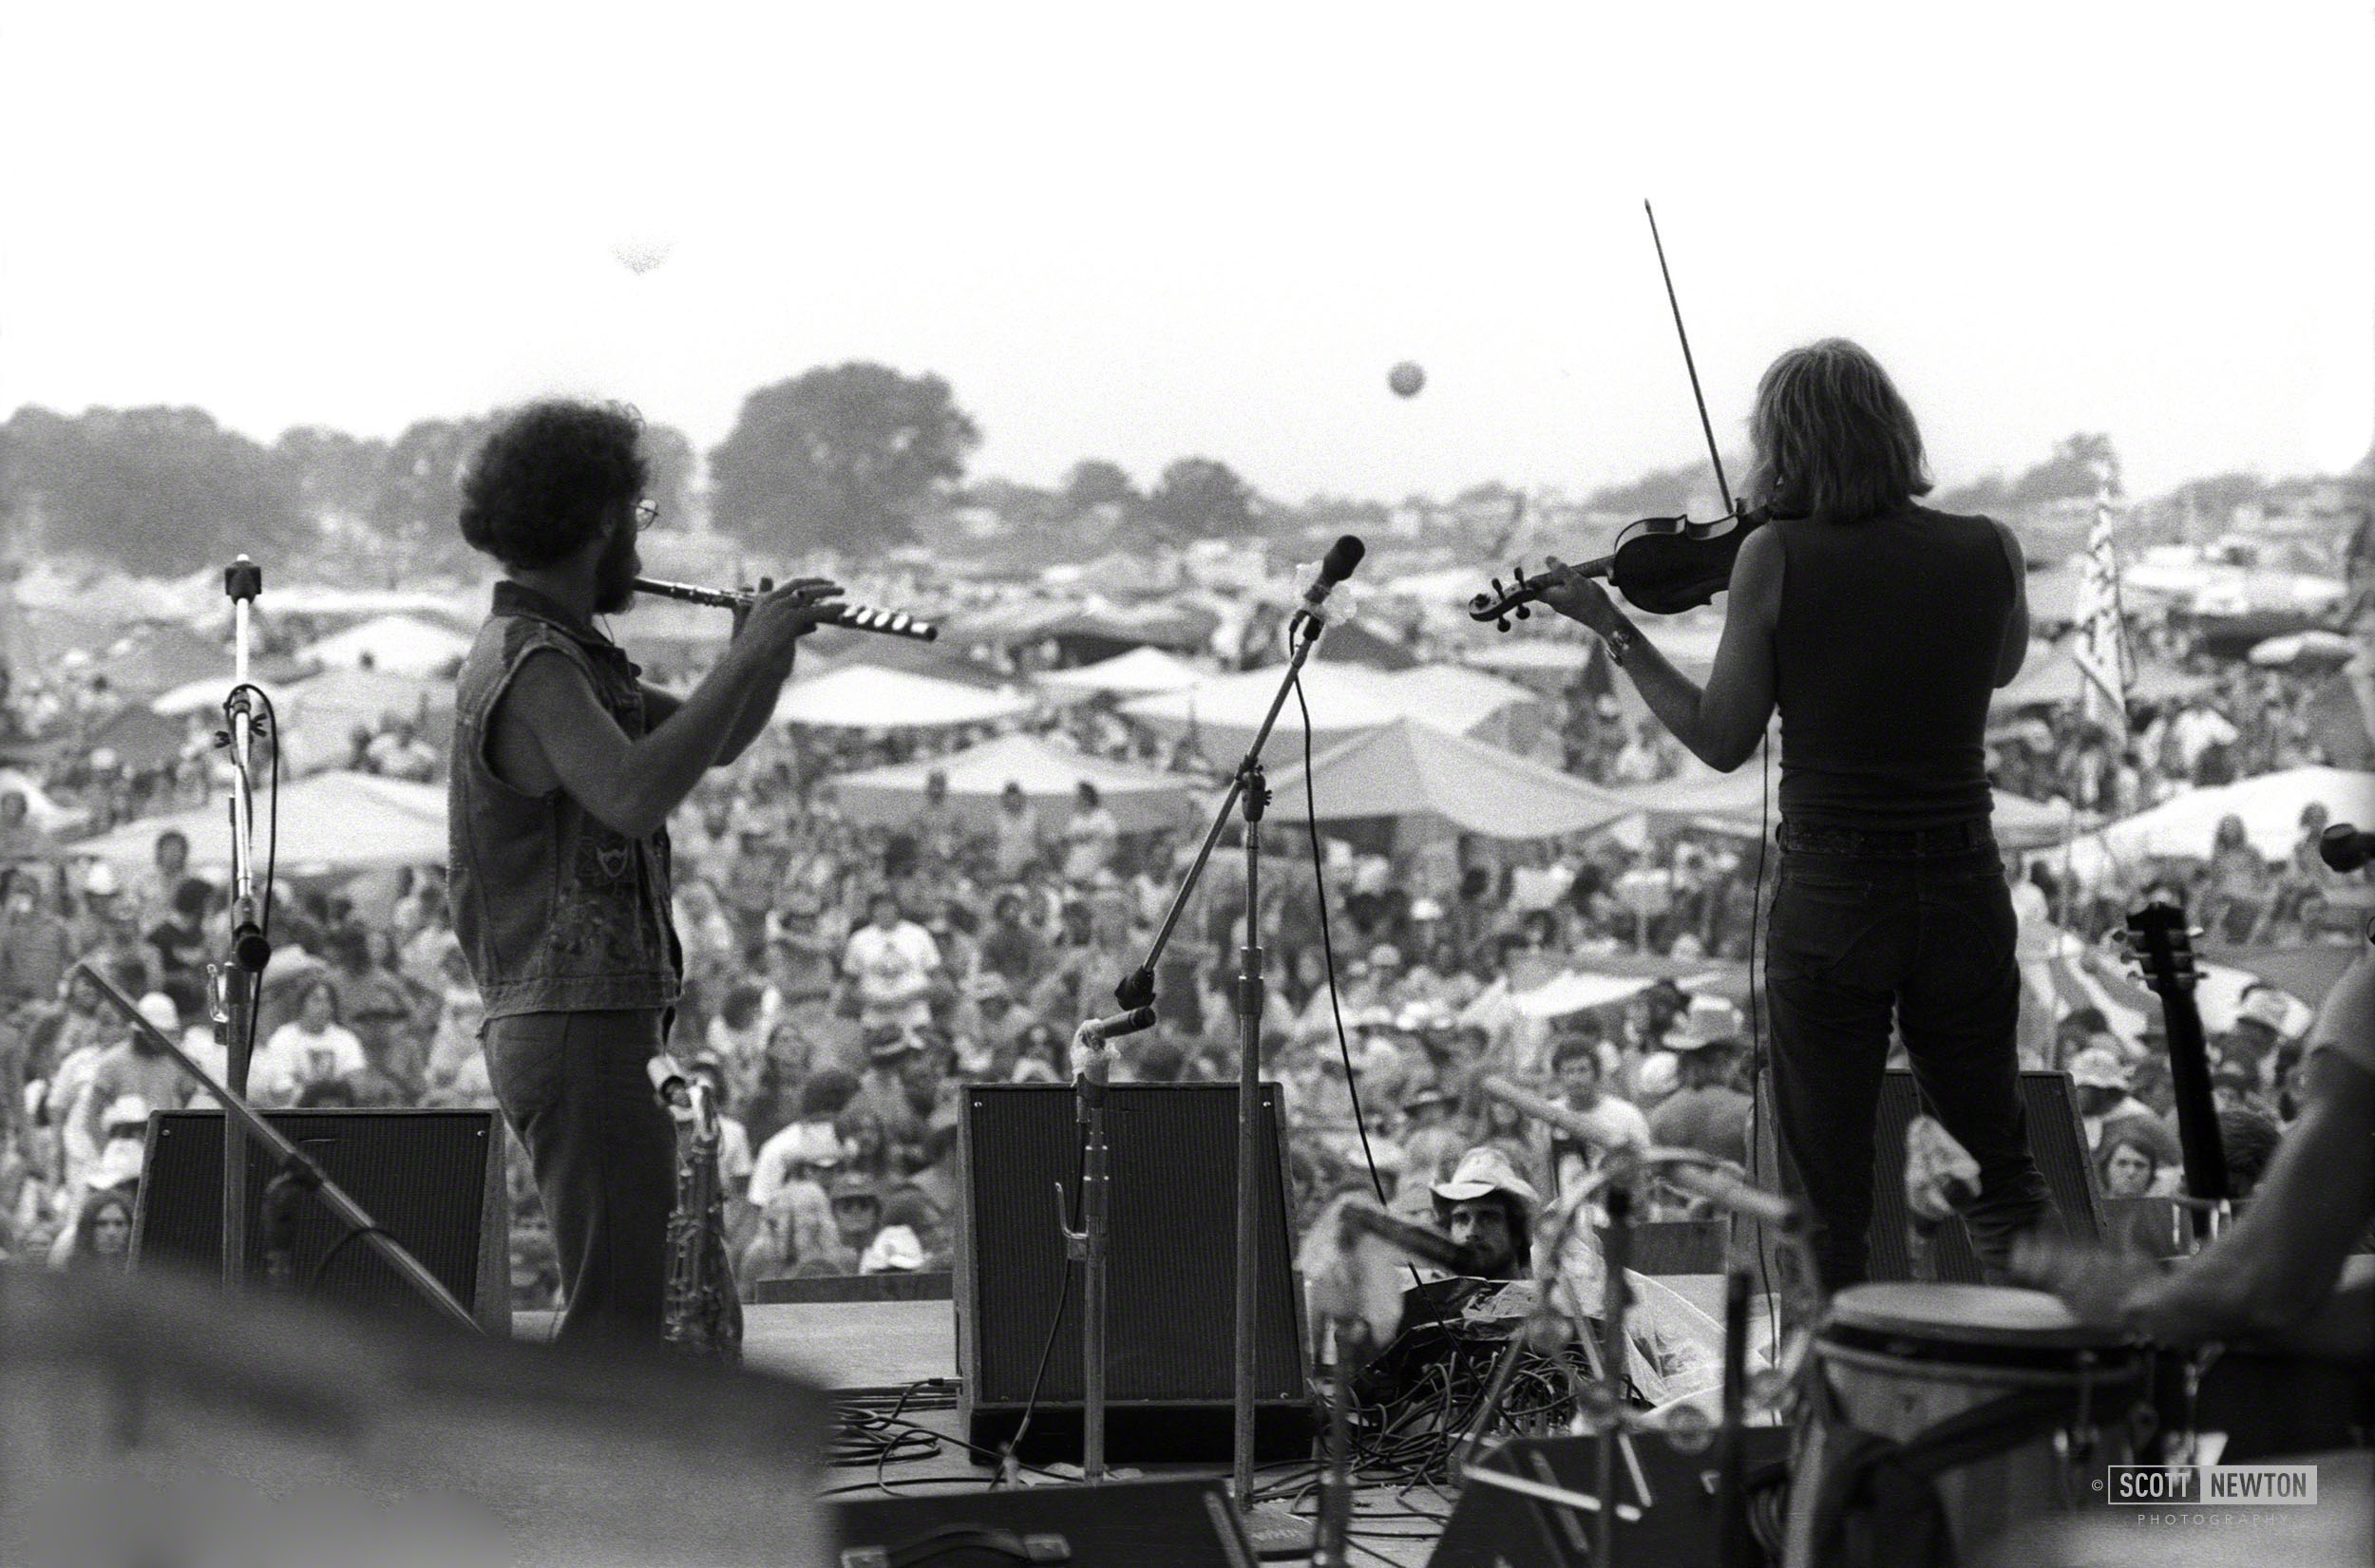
{"x":1488,"y":1208}
{"x":1707,"y":1113}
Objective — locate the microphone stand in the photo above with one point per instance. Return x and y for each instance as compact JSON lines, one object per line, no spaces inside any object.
{"x":236,"y":982}
{"x":1250,"y":789}
{"x":1087,"y":1246}
{"x":297,"y":1174}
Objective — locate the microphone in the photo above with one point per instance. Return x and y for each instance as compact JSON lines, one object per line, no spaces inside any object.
{"x":1093,"y":1033}
{"x":1341,"y":557}
{"x":2345,"y":848}
{"x":250,"y":949}
{"x":1359,"y":1217}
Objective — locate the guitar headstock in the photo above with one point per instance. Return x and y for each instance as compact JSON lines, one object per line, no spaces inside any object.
{"x":2161,"y":944}
{"x":1501,"y":603}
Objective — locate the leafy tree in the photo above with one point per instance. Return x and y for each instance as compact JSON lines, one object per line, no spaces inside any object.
{"x":334,"y":474}
{"x":160,"y":491}
{"x":416,"y":507}
{"x":671,"y":457}
{"x":1986,"y":494}
{"x":840,"y":458}
{"x":2076,"y":470}
{"x":1095,"y":482}
{"x":1199,"y":498}
{"x":1661,"y":492}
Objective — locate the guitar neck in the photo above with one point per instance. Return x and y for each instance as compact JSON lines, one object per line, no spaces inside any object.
{"x":2197,"y":1111}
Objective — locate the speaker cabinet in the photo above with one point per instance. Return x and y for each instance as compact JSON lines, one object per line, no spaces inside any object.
{"x":433,"y":1179}
{"x":2055,"y":1137}
{"x":1185,"y":1523}
{"x":1678,"y":1522}
{"x":1170,"y":1278}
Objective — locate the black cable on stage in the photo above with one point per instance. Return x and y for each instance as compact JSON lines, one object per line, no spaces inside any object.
{"x":1327,"y":949}
{"x":1047,"y":1350}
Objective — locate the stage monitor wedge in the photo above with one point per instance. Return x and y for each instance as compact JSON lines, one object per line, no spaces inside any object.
{"x":433,"y":1179}
{"x":1171,"y":1277}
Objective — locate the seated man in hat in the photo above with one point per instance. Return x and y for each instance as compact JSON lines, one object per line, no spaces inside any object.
{"x":1708,"y":1113}
{"x":1487,"y":1207}
{"x":2102,"y":1083}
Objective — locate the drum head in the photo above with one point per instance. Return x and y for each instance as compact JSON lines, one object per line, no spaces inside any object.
{"x":1964,"y":1315}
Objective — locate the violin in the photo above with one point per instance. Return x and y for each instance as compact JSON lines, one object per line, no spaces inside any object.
{"x":1661,"y":565}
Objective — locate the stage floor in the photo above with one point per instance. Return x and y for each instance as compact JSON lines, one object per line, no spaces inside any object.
{"x":877,"y":1346}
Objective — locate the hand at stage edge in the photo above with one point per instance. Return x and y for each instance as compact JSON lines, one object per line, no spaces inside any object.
{"x":1581,"y":598}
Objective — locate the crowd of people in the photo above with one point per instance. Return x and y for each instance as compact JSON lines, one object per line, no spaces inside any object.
{"x":842,"y":979}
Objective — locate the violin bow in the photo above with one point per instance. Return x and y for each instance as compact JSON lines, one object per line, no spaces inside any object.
{"x":1688,"y":363}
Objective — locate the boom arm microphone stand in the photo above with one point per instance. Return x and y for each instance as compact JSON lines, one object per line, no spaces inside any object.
{"x":1250,"y":789}
{"x":297,"y":1171}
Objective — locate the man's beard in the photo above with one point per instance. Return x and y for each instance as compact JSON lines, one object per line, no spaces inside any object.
{"x":615,"y":574}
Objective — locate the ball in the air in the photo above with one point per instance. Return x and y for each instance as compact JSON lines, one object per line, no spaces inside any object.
{"x":1406,"y":378}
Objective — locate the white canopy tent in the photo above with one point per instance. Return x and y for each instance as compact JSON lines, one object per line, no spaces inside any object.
{"x":1141,"y":672}
{"x":1139,"y":797}
{"x":330,"y":822}
{"x":1344,"y":699}
{"x":402,"y":645}
{"x":1409,"y":770}
{"x":2186,"y":826}
{"x":866,"y":696}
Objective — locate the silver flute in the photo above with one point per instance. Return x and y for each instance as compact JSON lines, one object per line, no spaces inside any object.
{"x":857,"y":617}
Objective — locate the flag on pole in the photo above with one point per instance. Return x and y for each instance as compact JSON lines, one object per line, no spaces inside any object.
{"x":2102,"y":643}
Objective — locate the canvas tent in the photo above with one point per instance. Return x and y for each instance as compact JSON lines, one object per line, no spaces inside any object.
{"x":1409,"y":770}
{"x":866,"y":696}
{"x":330,"y":822}
{"x":1141,"y":672}
{"x":1139,"y":797}
{"x":403,"y":645}
{"x":1345,"y":699}
{"x":1734,"y":802}
{"x":2185,"y":825}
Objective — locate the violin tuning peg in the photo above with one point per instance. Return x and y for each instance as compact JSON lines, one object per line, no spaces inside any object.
{"x":1503,"y":623}
{"x":1523,"y":614}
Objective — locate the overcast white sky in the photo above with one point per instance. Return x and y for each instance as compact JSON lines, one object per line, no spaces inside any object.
{"x":1142,"y":230}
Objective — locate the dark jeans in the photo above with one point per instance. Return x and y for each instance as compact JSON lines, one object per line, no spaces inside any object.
{"x":1871,"y":928}
{"x":574,"y":1087}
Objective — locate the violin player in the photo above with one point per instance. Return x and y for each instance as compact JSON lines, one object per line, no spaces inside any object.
{"x":1878,"y":628}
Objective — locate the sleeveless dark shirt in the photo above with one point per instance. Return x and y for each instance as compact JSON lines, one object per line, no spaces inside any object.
{"x":1886,"y":656}
{"x":555,"y":911}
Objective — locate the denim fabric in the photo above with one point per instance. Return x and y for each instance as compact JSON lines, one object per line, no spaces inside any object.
{"x":574,"y":1087}
{"x":1859,"y":940}
{"x":554,"y":910}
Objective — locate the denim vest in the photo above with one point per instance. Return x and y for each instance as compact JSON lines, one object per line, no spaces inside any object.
{"x":555,"y":912}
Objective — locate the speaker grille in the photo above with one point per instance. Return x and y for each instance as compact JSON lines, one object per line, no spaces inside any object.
{"x":1172,"y":1276}
{"x":433,"y":1179}
{"x":2055,"y":1137}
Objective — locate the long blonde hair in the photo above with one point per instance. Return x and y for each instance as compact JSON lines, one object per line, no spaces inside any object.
{"x":1832,"y":438}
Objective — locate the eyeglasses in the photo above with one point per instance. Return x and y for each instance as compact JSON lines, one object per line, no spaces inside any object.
{"x":646,"y":513}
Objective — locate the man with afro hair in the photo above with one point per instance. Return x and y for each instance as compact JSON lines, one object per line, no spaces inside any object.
{"x":566,"y":768}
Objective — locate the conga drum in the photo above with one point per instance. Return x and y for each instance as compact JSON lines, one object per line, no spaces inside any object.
{"x":2032,"y":1402}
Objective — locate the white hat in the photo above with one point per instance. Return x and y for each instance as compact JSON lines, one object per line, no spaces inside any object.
{"x":2099,"y":1067}
{"x":1483,"y":1170}
{"x":1660,"y":1074}
{"x":895,"y":1251}
{"x":162,"y":1010}
{"x":100,"y":879}
{"x":1712,"y":1020}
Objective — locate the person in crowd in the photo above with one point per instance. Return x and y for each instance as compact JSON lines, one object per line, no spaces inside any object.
{"x":135,"y":1066}
{"x":1575,"y":1059}
{"x":36,"y":947}
{"x":2129,"y":1162}
{"x":893,"y":963}
{"x":1014,"y":834}
{"x":21,"y":838}
{"x":857,"y":1211}
{"x":101,"y":1236}
{"x":1486,"y":1206}
{"x":306,"y":1049}
{"x":1707,"y":1112}
{"x":2237,"y":884}
{"x":2102,"y":1081}
{"x":1090,"y":835}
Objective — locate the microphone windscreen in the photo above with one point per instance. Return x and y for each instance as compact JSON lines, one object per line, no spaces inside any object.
{"x":1342,"y":557}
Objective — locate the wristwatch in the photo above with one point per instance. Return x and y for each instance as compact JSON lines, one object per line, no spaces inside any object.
{"x":1621,"y":639}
